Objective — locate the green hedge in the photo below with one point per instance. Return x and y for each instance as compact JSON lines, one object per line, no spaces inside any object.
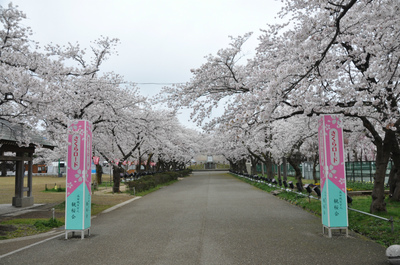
{"x":152,"y":181}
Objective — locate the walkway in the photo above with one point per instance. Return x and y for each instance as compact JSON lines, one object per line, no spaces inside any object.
{"x":209,"y":218}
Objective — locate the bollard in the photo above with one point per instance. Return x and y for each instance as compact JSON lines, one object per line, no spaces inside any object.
{"x":393,"y":254}
{"x":392,"y":224}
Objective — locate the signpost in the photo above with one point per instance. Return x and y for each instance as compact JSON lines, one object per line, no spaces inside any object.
{"x":333,"y":174}
{"x":78,"y":183}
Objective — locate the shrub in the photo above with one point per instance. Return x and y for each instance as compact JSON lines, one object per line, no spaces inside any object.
{"x":51,"y":223}
{"x":152,"y":181}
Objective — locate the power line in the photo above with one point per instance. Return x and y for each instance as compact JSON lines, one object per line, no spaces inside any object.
{"x":131,"y":82}
{"x":165,"y":84}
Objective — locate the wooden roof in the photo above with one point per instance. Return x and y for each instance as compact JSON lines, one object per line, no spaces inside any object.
{"x":10,"y":133}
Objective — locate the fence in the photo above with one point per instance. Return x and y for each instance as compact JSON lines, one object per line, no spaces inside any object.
{"x":362,"y":171}
{"x":289,"y":169}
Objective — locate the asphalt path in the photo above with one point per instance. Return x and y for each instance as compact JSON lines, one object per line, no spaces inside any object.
{"x":208,"y":218}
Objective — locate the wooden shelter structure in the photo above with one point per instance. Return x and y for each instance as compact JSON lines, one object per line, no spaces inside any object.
{"x":12,"y":148}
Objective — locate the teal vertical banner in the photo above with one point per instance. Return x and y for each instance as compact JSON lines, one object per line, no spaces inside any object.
{"x":74,"y":209}
{"x":78,"y":183}
{"x":337,"y":206}
{"x":332,"y":172}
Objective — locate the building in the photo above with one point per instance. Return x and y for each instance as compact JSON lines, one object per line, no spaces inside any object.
{"x":11,"y":149}
{"x":209,"y":161}
{"x":37,"y":168}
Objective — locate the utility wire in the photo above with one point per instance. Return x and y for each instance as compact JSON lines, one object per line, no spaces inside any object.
{"x":158,"y":83}
{"x":128,"y":82}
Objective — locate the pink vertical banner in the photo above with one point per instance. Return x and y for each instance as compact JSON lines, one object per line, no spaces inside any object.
{"x":78,"y":182}
{"x":332,"y":172}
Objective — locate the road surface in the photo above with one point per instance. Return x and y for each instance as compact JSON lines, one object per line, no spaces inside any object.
{"x":208,"y":218}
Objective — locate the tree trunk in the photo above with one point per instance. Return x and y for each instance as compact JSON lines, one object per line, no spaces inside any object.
{"x":284,"y":165}
{"x":383,"y":150}
{"x":174,"y":165}
{"x":253,"y":167}
{"x":314,"y":170}
{"x":116,"y":178}
{"x":394,"y":184}
{"x":382,"y":158}
{"x":394,"y":178}
{"x":279,"y":174}
{"x":268,"y":164}
{"x":270,"y":171}
{"x":294,"y":162}
{"x":160,"y":165}
{"x":378,"y":196}
{"x":232,"y":165}
{"x":148,"y":167}
{"x":242,"y":165}
{"x":139,"y":166}
{"x":396,"y":188}
{"x":99,"y":173}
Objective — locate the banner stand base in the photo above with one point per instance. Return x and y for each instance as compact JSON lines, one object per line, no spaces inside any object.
{"x":334,"y":228}
{"x":73,"y":233}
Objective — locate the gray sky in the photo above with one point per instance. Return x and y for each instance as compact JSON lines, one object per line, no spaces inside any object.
{"x":160,"y":40}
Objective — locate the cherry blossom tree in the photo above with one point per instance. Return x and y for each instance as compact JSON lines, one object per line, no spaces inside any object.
{"x":43,"y":87}
{"x":176,"y":145}
{"x":295,"y":139}
{"x":337,"y":57}
{"x":19,"y":66}
{"x":55,"y":84}
{"x":220,"y":78}
{"x":340,"y":57}
{"x":228,"y":144}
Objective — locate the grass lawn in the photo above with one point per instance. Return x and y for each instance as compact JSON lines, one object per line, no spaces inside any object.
{"x":101,"y":200}
{"x":39,"y":184}
{"x":201,"y":166}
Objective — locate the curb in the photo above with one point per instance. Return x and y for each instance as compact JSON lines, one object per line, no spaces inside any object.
{"x":120,"y":205}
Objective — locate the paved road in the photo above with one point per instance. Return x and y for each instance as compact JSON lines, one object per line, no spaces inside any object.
{"x":208,"y":218}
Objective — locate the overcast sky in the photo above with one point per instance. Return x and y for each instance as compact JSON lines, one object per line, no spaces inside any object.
{"x":160,"y":40}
